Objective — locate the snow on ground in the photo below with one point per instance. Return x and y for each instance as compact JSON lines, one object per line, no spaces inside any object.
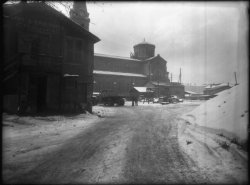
{"x":25,"y":136}
{"x":15,"y":126}
{"x":206,"y":134}
{"x":185,"y":102}
{"x":223,"y":162}
{"x":228,"y":112}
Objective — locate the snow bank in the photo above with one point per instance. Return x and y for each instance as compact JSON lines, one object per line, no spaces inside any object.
{"x":228,"y":111}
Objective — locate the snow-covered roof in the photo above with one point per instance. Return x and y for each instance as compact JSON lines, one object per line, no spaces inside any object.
{"x":191,"y":92}
{"x":195,"y":88}
{"x":214,"y":86}
{"x":141,"y":89}
{"x":118,"y":73}
{"x":151,"y":58}
{"x":117,"y":57}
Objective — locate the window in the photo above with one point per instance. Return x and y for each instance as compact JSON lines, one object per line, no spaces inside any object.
{"x":78,"y":51}
{"x":69,"y":50}
{"x":74,"y":50}
{"x":45,"y":44}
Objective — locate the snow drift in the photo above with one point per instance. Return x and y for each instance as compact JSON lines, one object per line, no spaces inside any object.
{"x":227,"y":112}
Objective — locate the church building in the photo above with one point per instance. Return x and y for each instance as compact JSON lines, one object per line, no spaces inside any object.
{"x":142,"y":69}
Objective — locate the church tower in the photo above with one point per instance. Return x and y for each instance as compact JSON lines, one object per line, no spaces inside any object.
{"x":79,"y":14}
{"x":143,"y":50}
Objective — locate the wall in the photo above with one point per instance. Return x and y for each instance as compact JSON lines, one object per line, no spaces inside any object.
{"x":177,"y":90}
{"x":118,"y":65}
{"x":43,"y":40}
{"x":119,"y":84}
{"x":158,"y":71}
{"x":53,"y":94}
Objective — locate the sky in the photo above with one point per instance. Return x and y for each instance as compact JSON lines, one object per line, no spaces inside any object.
{"x":207,"y":40}
{"x":201,"y":38}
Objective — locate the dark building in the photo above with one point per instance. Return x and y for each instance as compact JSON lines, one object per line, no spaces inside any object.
{"x":48,"y":60}
{"x":142,"y":69}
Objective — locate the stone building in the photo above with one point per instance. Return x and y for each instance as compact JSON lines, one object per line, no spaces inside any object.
{"x":142,"y":69}
{"x":48,"y":60}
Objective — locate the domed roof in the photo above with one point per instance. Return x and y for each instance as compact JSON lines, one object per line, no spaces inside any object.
{"x":144,"y":43}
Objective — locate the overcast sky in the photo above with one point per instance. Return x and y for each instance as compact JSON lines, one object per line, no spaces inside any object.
{"x":201,"y":38}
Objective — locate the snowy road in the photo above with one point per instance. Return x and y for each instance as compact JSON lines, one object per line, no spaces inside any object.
{"x":127,"y":145}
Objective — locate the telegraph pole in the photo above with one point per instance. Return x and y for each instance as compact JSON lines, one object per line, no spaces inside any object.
{"x":158,"y":84}
{"x":171,"y":77}
{"x":180,"y":76}
{"x":235,"y":78}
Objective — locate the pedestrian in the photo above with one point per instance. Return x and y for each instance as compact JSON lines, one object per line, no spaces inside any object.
{"x":136,"y":101}
{"x":133,"y":101}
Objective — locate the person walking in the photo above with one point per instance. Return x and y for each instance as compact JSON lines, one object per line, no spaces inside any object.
{"x":136,"y":101}
{"x":133,"y":101}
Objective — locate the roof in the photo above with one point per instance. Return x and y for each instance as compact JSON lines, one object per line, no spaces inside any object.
{"x":195,"y":88}
{"x":15,"y":9}
{"x":118,"y":73}
{"x":117,"y":57}
{"x":144,"y":43}
{"x":151,"y":59}
{"x":191,"y":92}
{"x":215,"y":86}
{"x":160,"y":83}
{"x":141,"y":89}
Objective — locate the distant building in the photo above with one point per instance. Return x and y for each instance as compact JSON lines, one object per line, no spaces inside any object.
{"x":198,"y":89}
{"x":141,"y":92}
{"x":142,"y":69}
{"x":213,"y":89}
{"x":48,"y":60}
{"x":190,"y":95}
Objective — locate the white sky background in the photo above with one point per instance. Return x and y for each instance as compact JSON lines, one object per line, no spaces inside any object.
{"x":208,"y":40}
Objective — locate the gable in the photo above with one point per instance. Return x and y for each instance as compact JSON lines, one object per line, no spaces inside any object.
{"x":32,"y":13}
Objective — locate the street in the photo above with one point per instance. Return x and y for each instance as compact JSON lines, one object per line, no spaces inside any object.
{"x":124,"y":145}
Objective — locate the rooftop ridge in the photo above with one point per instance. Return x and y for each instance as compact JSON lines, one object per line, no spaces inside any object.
{"x":115,"y":56}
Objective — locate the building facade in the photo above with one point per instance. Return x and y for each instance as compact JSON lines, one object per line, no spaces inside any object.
{"x":48,"y":60}
{"x":142,"y":69}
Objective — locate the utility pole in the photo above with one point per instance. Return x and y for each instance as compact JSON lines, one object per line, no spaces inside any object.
{"x":180,"y":76}
{"x":235,"y":78}
{"x":171,"y":78}
{"x":158,"y":84}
